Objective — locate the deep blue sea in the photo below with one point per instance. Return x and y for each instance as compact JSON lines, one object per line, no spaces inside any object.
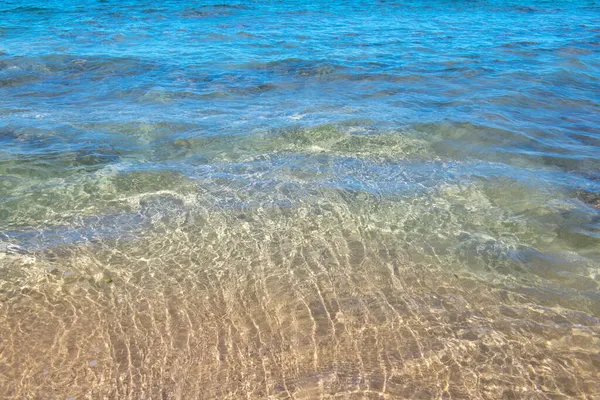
{"x":299,"y":199}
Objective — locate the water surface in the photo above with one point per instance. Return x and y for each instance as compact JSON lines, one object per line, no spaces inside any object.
{"x":363,"y":199}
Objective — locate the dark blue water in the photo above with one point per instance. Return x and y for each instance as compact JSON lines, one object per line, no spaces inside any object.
{"x":161,"y":150}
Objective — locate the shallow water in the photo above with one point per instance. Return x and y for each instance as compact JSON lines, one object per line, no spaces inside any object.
{"x":366,"y":199}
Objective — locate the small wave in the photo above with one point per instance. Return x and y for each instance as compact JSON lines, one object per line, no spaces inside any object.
{"x":21,"y":70}
{"x":520,"y":44}
{"x":340,"y":139}
{"x":212,"y":12}
{"x":297,"y":67}
{"x":27,"y":9}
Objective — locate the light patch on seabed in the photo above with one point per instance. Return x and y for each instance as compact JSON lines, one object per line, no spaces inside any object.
{"x":316,"y":300}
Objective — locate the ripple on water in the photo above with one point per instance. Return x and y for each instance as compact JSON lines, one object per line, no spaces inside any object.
{"x":296,"y":303}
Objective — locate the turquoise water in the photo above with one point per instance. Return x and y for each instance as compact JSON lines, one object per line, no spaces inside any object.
{"x":356,"y":199}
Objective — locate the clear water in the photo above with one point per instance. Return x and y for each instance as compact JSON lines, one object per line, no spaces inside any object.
{"x":354,"y":199}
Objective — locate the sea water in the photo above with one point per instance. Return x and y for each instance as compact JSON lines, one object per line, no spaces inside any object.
{"x":294,"y":199}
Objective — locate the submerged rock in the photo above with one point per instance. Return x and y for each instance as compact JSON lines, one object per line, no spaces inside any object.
{"x":590,"y":198}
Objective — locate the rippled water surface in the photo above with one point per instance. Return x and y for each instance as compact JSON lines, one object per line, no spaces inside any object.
{"x":307,"y":200}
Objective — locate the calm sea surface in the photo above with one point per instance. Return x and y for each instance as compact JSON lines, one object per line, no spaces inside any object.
{"x":296,"y":199}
